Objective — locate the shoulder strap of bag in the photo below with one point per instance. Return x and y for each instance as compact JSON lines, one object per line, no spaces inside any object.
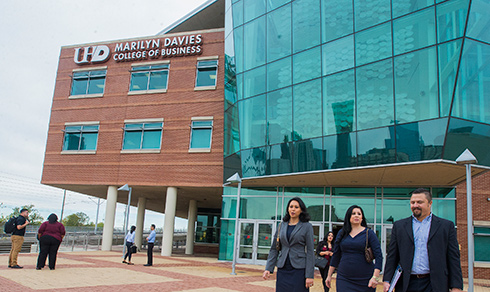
{"x":367,"y":232}
{"x":278,"y":231}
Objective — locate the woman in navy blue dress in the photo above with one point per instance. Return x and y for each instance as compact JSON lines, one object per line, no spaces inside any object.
{"x":354,"y":273}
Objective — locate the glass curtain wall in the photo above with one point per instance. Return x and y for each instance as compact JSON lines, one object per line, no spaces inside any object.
{"x":327,"y":207}
{"x":333,"y":73}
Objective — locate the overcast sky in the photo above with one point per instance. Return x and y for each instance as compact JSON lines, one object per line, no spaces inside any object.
{"x":32,"y":34}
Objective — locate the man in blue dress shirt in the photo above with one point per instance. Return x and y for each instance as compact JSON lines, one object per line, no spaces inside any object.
{"x":151,"y":244}
{"x":426,"y":248}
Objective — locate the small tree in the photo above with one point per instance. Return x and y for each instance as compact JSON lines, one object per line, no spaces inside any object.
{"x":34,"y":217}
{"x":77,"y":219}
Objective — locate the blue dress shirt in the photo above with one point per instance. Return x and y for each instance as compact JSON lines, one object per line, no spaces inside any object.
{"x":421,"y":231}
{"x":151,"y":237}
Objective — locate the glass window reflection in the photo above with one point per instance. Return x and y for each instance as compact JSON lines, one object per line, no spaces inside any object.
{"x":307,"y":155}
{"x":337,"y":19}
{"x":257,"y":208}
{"x":479,"y":22}
{"x":376,"y":146}
{"x":252,"y":122}
{"x":448,"y":67}
{"x":414,"y":31}
{"x":375,"y":95}
{"x":307,"y":65}
{"x":416,"y":94}
{"x":254,"y":48}
{"x":254,"y":82}
{"x":252,"y":9}
{"x":279,"y":116}
{"x":339,"y":96}
{"x":420,"y":141}
{"x":401,"y":7}
{"x":340,"y":151}
{"x":451,"y":19}
{"x":341,"y":204}
{"x":338,"y":55}
{"x":253,"y":162}
{"x":279,"y":158}
{"x":307,"y":110}
{"x":279,"y":33}
{"x":371,"y":12}
{"x":306,"y":23}
{"x":279,"y":74}
{"x":373,"y":44}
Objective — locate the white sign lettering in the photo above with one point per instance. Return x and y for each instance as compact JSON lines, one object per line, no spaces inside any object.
{"x":92,"y":54}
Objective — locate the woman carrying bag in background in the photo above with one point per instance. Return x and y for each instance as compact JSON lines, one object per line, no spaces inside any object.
{"x":325,"y":250}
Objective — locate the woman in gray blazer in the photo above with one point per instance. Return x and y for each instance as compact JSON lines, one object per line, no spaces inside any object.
{"x":295,"y":260}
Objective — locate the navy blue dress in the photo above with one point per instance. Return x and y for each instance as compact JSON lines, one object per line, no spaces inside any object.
{"x":290,"y":279}
{"x":353,"y":272}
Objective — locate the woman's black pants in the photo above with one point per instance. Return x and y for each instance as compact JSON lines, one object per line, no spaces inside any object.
{"x":48,"y":246}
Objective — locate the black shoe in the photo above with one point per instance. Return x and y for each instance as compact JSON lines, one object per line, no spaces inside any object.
{"x":38,"y":268}
{"x":10,"y":266}
{"x":51,"y":268}
{"x":16,"y":267}
{"x":148,"y":265}
{"x":124,"y":262}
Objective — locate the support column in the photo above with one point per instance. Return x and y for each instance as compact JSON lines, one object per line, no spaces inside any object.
{"x":140,"y":222}
{"x":168,"y":227}
{"x":191,"y":223}
{"x":110,"y":215}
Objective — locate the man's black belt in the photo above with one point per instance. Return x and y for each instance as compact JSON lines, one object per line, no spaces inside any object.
{"x":420,"y":276}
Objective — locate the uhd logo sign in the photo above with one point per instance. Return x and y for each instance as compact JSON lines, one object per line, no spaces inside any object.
{"x":91,"y":54}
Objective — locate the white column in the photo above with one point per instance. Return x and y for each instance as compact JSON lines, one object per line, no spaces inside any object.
{"x":168,"y":227}
{"x":191,"y":223}
{"x":110,"y":215}
{"x":140,"y":222}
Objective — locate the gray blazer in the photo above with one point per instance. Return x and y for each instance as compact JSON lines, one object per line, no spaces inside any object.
{"x":300,"y":249}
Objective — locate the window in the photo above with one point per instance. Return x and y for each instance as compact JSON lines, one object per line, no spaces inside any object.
{"x":80,"y":137}
{"x":482,"y":242}
{"x":201,"y":131}
{"x":88,"y":82}
{"x":206,"y":73}
{"x":151,"y":77}
{"x":143,"y":135}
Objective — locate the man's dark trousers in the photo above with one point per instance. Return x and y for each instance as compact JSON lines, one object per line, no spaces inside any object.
{"x":150,"y":253}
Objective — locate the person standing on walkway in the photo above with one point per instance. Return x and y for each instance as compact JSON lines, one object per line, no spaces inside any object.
{"x":325,"y":249}
{"x":151,"y":244}
{"x":426,"y":248}
{"x":129,"y":239}
{"x":296,"y":259}
{"x":354,"y":272}
{"x":17,"y":238}
{"x":50,"y":235}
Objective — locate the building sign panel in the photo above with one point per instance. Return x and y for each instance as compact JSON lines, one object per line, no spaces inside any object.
{"x":177,"y":46}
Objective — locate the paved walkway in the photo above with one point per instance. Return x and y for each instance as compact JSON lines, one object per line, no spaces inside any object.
{"x":103,"y":271}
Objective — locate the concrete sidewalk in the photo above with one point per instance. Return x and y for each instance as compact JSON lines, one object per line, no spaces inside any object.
{"x":103,"y":271}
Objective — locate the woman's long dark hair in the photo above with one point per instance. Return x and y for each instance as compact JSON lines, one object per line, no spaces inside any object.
{"x":347,"y":226}
{"x":303,"y":217}
{"x":52,"y":218}
{"x":133,"y":228}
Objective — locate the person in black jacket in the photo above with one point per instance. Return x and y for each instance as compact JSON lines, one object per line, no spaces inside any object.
{"x":325,"y":249}
{"x":426,"y":248}
{"x":17,"y":238}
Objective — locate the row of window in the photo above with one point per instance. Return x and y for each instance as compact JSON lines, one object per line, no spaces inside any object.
{"x":137,"y":135}
{"x":143,"y":78}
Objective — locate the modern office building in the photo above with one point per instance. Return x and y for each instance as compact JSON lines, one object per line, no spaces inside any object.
{"x":354,"y":102}
{"x":338,"y":102}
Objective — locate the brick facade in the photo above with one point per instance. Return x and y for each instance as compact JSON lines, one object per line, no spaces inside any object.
{"x":194,"y":173}
{"x":481,"y":205}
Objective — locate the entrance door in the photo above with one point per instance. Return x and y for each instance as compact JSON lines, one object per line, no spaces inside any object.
{"x":255,"y":241}
{"x":385,"y":240}
{"x":317,"y":233}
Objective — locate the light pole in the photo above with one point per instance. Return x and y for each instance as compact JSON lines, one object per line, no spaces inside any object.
{"x":126,"y":220}
{"x":467,"y":158}
{"x":236,"y":179}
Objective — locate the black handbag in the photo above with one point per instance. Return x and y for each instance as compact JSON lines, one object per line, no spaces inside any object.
{"x":320,"y":262}
{"x":368,"y":251}
{"x":133,"y":249}
{"x":278,"y":241}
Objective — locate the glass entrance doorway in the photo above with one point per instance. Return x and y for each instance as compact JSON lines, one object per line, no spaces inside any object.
{"x":255,"y":241}
{"x":385,"y":240}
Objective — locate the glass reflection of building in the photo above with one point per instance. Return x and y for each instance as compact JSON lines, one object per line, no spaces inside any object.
{"x":321,"y":85}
